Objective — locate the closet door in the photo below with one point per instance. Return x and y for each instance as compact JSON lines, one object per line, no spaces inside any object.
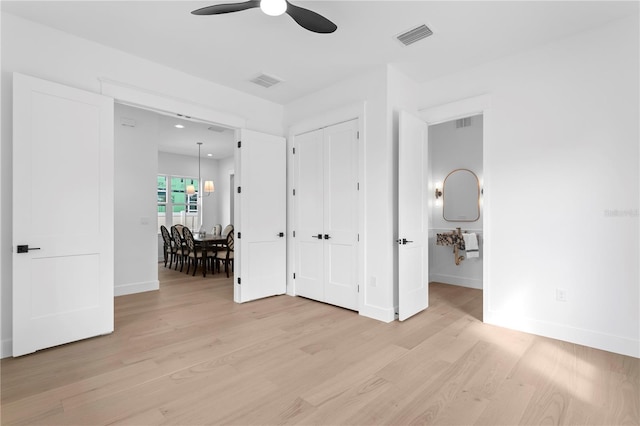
{"x":309,"y":215}
{"x":326,"y":215}
{"x":341,"y":214}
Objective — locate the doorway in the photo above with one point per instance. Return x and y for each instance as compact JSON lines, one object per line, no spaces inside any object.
{"x":155,"y":159}
{"x":456,"y":174}
{"x":470,"y":107}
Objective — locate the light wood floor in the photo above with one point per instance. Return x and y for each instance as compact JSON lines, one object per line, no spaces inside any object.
{"x":188,"y":355}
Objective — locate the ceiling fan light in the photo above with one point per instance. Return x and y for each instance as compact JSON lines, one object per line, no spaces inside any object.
{"x":273,"y":7}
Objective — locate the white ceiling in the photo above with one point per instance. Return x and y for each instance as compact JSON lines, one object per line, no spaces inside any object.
{"x":217,"y":143}
{"x":231,"y":49}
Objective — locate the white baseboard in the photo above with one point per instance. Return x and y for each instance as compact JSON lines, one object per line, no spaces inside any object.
{"x":377,"y":313}
{"x":455,"y":280}
{"x":132,"y":288}
{"x":580,"y":336}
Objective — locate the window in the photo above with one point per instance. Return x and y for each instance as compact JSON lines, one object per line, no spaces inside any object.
{"x":173,"y":198}
{"x":162,"y":202}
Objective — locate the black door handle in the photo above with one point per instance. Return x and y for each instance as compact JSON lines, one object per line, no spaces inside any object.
{"x":319,"y":236}
{"x":25,"y":248}
{"x":281,"y":234}
{"x":326,"y":236}
{"x":403,"y":241}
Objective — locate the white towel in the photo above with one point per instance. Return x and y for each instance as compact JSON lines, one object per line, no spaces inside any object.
{"x":471,"y":245}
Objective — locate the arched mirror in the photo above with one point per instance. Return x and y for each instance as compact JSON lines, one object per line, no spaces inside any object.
{"x":461,"y":196}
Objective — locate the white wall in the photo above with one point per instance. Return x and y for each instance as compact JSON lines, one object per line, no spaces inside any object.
{"x":136,"y":162}
{"x":562,"y":169}
{"x":453,"y":148}
{"x":53,"y":55}
{"x":226,"y":168}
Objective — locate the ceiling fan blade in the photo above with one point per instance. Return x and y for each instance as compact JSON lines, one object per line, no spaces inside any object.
{"x":217,"y":9}
{"x":310,"y":20}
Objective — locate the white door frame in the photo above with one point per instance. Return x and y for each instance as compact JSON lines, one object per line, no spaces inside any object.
{"x":126,"y":94}
{"x":321,"y":120}
{"x":460,"y":109}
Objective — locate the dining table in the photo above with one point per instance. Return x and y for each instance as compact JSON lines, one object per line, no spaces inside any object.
{"x":210,"y":239}
{"x":210,"y":243}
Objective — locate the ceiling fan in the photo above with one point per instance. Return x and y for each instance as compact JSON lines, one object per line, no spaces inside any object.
{"x":304,"y":17}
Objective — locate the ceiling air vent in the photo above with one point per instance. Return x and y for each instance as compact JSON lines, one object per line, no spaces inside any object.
{"x":215,"y":128}
{"x":463,"y":122}
{"x":416,"y":34}
{"x":265,"y":80}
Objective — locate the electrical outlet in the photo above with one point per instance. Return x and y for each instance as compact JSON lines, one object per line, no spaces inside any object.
{"x":561,"y":295}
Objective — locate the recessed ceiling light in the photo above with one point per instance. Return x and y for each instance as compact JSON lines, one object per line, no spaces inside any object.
{"x":179,"y":126}
{"x":209,"y":155}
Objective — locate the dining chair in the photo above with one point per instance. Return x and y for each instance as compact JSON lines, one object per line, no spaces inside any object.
{"x":180,"y":246}
{"x":228,"y":260}
{"x":196,"y":253}
{"x":170,"y":249}
{"x":227,"y":229}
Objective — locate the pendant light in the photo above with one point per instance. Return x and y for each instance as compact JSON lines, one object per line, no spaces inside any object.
{"x":191,"y":190}
{"x":207,"y":189}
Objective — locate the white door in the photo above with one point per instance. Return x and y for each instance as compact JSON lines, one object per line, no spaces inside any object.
{"x":326,"y":215}
{"x":341,"y":214}
{"x":309,"y":215}
{"x":62,"y":214}
{"x":261,"y":202}
{"x":413,"y":226}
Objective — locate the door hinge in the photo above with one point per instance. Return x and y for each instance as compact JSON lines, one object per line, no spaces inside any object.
{"x":358,"y":288}
{"x":239,"y":189}
{"x":294,"y":192}
{"x":294,"y":275}
{"x":239,"y":235}
{"x":294,"y":234}
{"x":358,"y":237}
{"x":358,"y":186}
{"x":239,"y":144}
{"x":239,"y":281}
{"x":294,"y":150}
{"x":358,"y":134}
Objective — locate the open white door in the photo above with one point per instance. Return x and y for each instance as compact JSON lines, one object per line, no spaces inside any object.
{"x":413,"y":226}
{"x":261,"y":200}
{"x":62,"y":214}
